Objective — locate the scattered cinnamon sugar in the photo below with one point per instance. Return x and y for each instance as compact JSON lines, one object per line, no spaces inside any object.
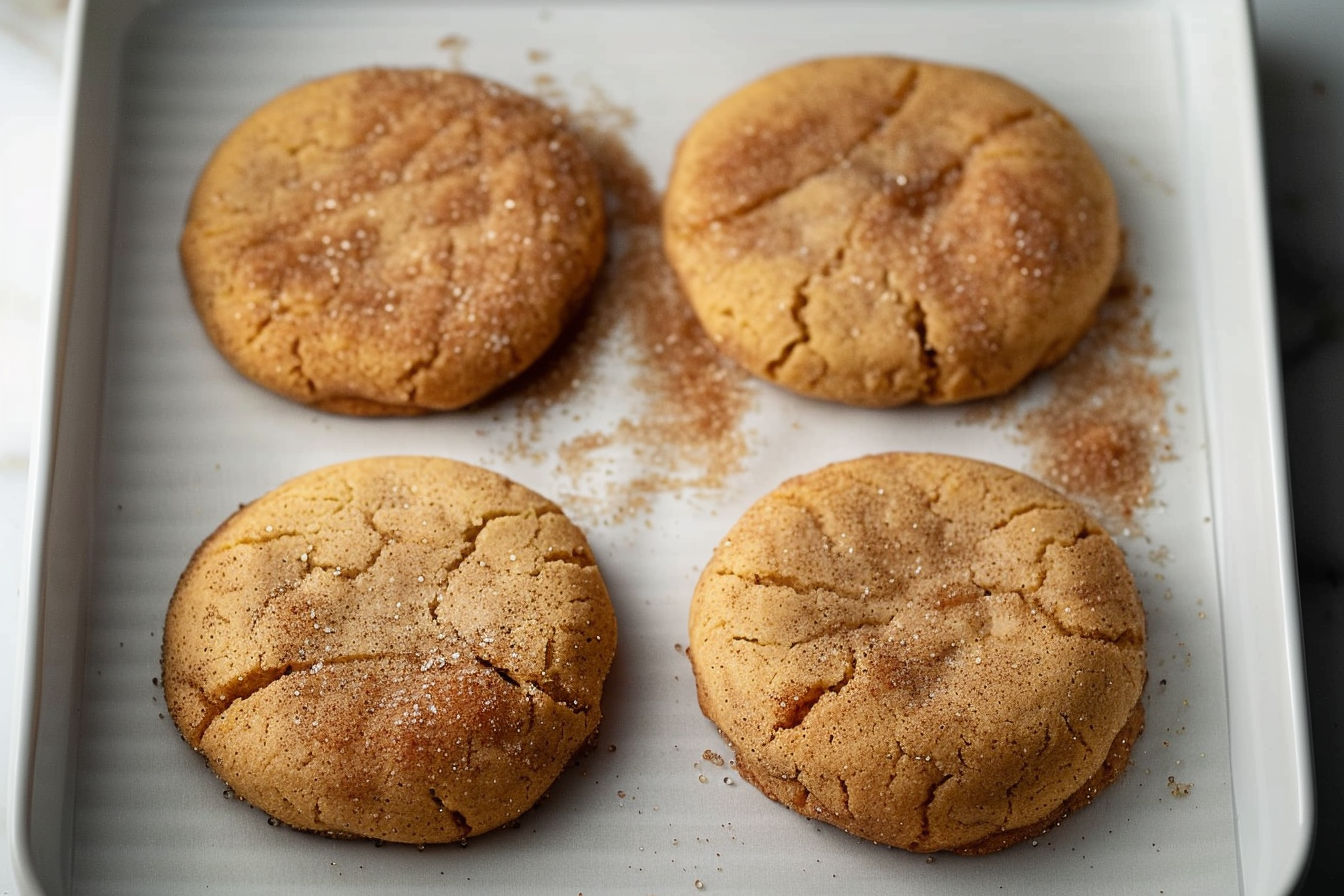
{"x":1102,"y":428}
{"x":1178,"y":788}
{"x":686,"y":401}
{"x":1097,"y":435}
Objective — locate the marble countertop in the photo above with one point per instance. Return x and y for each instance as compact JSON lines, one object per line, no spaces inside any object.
{"x":1302,"y":95}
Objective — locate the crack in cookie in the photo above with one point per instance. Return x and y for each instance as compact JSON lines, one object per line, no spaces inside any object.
{"x":385,"y":622}
{"x":838,"y":158}
{"x":393,"y":241}
{"x":982,"y":623}
{"x":935,"y":248}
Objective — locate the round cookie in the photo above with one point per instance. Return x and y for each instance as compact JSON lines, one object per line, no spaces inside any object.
{"x":878,"y":231}
{"x":926,"y":651}
{"x":387,"y":241}
{"x":407,"y":649}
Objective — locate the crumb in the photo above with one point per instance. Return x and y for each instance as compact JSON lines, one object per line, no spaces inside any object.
{"x":1178,"y":789}
{"x":456,"y":45}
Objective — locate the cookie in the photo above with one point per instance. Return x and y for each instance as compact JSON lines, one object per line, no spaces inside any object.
{"x":927,"y":651}
{"x":878,"y":231}
{"x":388,"y":241}
{"x":406,"y":649}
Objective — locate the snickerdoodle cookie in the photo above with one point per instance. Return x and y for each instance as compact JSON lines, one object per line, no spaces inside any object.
{"x":388,"y":241}
{"x":878,"y":231}
{"x":926,"y":651}
{"x":408,"y":649}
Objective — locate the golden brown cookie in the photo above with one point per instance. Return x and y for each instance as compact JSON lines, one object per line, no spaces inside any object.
{"x":404,"y":648}
{"x":878,"y":231}
{"x":927,"y":651}
{"x":389,"y":241}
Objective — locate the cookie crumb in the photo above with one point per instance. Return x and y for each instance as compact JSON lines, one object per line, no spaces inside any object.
{"x":456,"y":45}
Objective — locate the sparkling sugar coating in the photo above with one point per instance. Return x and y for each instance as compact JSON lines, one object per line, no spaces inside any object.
{"x":878,"y":231}
{"x":927,"y":651}
{"x":387,"y":241}
{"x":406,"y":649}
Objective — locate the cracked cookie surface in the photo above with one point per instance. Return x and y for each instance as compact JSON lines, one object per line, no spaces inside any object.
{"x":879,"y":231}
{"x":392,"y":241}
{"x":407,"y":649}
{"x":927,"y":651}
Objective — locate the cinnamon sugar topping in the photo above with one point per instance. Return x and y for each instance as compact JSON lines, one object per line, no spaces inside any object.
{"x":1102,"y":429}
{"x":684,"y":429}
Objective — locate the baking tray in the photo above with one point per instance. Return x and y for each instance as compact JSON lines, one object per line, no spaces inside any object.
{"x":147,"y":440}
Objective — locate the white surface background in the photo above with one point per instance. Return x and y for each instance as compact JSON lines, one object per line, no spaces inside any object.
{"x":31,"y":34}
{"x":29,"y":61}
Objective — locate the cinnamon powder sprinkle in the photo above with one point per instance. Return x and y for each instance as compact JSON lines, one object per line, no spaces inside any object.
{"x":1102,"y":428}
{"x":683,"y":428}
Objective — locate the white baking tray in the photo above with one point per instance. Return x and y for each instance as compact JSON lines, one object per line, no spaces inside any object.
{"x":148,"y":440}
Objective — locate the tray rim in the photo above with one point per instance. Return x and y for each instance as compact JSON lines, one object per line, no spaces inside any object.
{"x":41,"y":478}
{"x":1258,"y":385}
